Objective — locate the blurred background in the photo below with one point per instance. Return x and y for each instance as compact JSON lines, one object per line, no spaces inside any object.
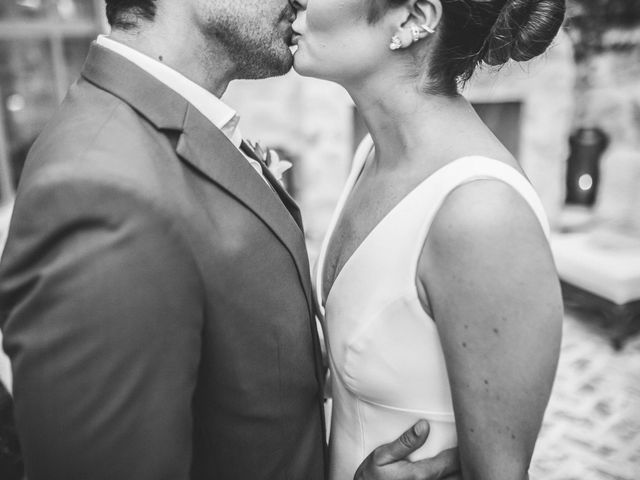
{"x":572,"y":117}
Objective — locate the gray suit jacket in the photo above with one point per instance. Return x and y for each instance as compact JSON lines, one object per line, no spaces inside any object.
{"x":155,"y":298}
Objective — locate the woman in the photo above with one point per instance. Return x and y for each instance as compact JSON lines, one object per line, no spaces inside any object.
{"x":440,"y":293}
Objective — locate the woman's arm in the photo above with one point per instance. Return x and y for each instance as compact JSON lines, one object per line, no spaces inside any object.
{"x":492,"y":287}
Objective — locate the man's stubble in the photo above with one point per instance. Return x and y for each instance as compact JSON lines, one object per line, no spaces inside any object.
{"x":257,"y":45}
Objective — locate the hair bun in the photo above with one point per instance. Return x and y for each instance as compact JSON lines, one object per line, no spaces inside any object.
{"x":523,"y":30}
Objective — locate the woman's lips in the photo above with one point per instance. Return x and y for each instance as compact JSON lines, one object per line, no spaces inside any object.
{"x":295,"y":36}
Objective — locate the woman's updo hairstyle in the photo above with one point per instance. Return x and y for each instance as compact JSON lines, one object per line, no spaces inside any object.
{"x":492,"y":32}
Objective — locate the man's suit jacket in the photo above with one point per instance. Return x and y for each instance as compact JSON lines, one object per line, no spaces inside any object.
{"x":155,"y":298}
{"x":11,"y":467}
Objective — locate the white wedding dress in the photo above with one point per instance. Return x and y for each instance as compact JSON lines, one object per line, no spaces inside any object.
{"x":387,"y":365}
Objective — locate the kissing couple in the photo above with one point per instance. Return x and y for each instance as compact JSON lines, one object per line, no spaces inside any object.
{"x":155,"y":292}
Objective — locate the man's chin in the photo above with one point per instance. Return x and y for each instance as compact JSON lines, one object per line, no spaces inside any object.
{"x":259,"y":57}
{"x":285,"y":63}
{"x":275,"y":67}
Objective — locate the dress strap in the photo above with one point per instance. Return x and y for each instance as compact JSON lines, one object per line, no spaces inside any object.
{"x":360,"y":158}
{"x":465,"y":170}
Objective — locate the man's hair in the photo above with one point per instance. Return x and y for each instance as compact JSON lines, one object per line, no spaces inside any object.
{"x":125,"y":14}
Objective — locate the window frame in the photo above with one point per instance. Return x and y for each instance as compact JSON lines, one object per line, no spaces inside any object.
{"x":55,"y":32}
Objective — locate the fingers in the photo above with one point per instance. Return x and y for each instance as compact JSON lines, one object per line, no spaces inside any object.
{"x":439,"y":467}
{"x":400,"y":448}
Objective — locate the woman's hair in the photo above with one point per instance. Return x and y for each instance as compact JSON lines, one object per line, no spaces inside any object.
{"x":492,"y":32}
{"x":124,"y":14}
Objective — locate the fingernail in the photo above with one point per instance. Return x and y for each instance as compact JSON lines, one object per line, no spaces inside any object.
{"x":420,"y":428}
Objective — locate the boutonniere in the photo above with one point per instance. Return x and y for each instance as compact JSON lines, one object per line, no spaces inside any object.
{"x":271,"y":158}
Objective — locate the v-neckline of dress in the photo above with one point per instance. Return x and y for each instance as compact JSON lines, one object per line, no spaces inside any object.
{"x":337,"y":217}
{"x":348,"y":189}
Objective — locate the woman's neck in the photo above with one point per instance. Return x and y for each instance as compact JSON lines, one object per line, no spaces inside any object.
{"x":404,"y":121}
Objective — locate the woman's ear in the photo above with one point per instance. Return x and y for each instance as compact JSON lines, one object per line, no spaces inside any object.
{"x":425,"y":14}
{"x":414,"y":20}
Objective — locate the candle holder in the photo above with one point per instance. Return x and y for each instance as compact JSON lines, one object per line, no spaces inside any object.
{"x":583,"y":165}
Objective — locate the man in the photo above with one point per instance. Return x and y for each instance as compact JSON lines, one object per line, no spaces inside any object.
{"x":11,"y":467}
{"x":155,"y":293}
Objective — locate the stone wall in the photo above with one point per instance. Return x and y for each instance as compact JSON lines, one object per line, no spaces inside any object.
{"x":545,"y":87}
{"x":613,"y":104}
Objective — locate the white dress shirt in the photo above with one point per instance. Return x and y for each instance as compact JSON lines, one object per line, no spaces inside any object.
{"x":215,"y":110}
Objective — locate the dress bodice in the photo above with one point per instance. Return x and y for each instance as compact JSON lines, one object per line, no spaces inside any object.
{"x":387,"y":364}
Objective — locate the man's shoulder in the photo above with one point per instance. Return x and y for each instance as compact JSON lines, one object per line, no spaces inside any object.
{"x":95,"y":135}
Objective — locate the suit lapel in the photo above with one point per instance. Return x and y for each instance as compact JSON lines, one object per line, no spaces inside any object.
{"x":201,"y":145}
{"x":207,"y":149}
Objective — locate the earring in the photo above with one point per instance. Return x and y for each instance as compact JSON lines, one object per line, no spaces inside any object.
{"x":427,"y":28}
{"x":415,"y":33}
{"x":396,"y":43}
{"x":405,"y":37}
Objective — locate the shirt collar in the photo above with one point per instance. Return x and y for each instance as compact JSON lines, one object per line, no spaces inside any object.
{"x":214,"y":109}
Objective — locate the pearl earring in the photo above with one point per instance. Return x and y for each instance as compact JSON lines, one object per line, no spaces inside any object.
{"x":396,"y":43}
{"x":415,"y":33}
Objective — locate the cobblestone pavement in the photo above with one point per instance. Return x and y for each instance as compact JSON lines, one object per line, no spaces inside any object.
{"x":592,"y":425}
